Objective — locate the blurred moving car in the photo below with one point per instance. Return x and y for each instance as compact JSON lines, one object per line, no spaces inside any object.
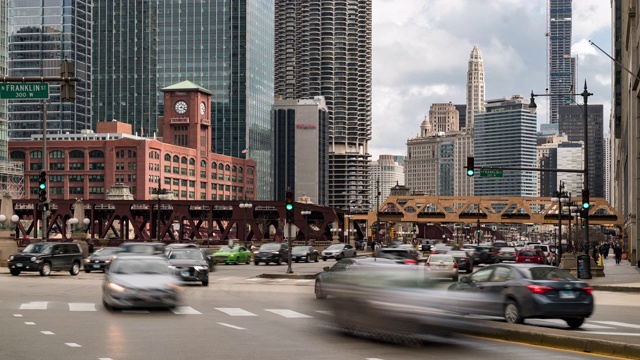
{"x":507,"y":254}
{"x":142,"y":248}
{"x":232,"y":255}
{"x":140,"y":281}
{"x":533,"y":256}
{"x":330,"y":274}
{"x":403,"y":254}
{"x":271,"y":252}
{"x":486,"y":254}
{"x":304,"y":252}
{"x":206,"y":252}
{"x":464,"y":260}
{"x":442,"y":265}
{"x":521,"y":291}
{"x":46,"y":257}
{"x":100,"y":259}
{"x":426,"y":244}
{"x":189,"y":264}
{"x":470,"y":249}
{"x":440,"y":249}
{"x":338,"y":251}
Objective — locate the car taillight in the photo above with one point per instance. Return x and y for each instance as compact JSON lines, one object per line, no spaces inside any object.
{"x":538,"y":289}
{"x":462,"y":259}
{"x":434,"y":252}
{"x":455,"y":265}
{"x":500,"y":253}
{"x":588,"y":290}
{"x":410,"y":261}
{"x":538,"y":259}
{"x":427,"y":264}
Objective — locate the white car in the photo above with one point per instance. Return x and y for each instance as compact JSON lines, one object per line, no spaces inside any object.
{"x":338,"y":251}
{"x":442,"y":265}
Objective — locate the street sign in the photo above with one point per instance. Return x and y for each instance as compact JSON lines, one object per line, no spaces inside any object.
{"x":490,"y":173}
{"x":24,"y":91}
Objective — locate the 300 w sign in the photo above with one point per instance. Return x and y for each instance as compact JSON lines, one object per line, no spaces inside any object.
{"x":24,"y":91}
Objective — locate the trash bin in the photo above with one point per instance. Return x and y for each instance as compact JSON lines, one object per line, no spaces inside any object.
{"x":584,"y":266}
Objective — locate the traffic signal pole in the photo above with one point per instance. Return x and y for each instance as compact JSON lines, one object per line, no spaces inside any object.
{"x":44,"y":167}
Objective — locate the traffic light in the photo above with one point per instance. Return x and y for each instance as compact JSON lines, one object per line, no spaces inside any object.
{"x":470,"y":168}
{"x":67,"y":88}
{"x":585,"y":199}
{"x":42,"y":187}
{"x":534,"y":225}
{"x":415,"y":227}
{"x":289,"y":207}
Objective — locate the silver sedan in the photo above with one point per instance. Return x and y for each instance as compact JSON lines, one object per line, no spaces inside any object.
{"x":338,"y":251}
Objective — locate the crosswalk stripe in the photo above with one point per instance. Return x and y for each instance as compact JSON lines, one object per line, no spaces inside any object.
{"x":326,"y":312}
{"x":254,"y":279}
{"x":304,"y":281}
{"x":185,"y":310}
{"x":34,"y":305}
{"x":613,"y":333}
{"x":235,"y":312}
{"x":288,"y":313}
{"x":232,"y":326}
{"x":616,"y":323}
{"x":47,"y":332}
{"x":82,"y":307}
{"x":73,"y":345}
{"x":563,"y":323}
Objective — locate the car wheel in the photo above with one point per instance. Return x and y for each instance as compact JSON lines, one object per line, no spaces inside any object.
{"x":256,"y":263}
{"x":318,"y":290}
{"x":45,"y":270}
{"x":107,"y":306}
{"x":354,"y":254}
{"x":296,"y":260}
{"x":278,"y":262}
{"x":205,"y":282}
{"x":75,"y":269}
{"x":306,"y":259}
{"x":235,"y":262}
{"x":87,"y":270}
{"x":15,"y":272}
{"x":454,"y":278}
{"x":317,"y":258}
{"x":512,"y":312}
{"x":574,"y":323}
{"x":324,"y":258}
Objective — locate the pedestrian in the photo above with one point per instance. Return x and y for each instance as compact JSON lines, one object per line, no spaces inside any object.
{"x":595,"y":253}
{"x":617,"y":252}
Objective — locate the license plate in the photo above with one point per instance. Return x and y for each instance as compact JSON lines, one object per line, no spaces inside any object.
{"x":96,"y":265}
{"x":567,"y":294}
{"x":19,"y":264}
{"x":185,"y":273}
{"x":527,"y":260}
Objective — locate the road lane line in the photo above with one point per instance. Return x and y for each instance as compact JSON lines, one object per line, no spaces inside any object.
{"x":254,"y":279}
{"x":304,"y":281}
{"x":17,"y":315}
{"x":326,"y":312}
{"x":616,"y":323}
{"x":232,"y":326}
{"x":185,"y":310}
{"x":29,"y":323}
{"x":47,"y":332}
{"x":34,"y":305}
{"x":235,"y":312}
{"x":73,"y":345}
{"x":562,"y":323}
{"x":82,"y":307}
{"x":288,"y":313}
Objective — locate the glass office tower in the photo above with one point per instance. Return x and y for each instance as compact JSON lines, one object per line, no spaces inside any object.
{"x":42,"y":33}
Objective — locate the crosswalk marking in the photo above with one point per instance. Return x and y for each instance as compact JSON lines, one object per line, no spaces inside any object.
{"x":29,"y":323}
{"x":47,"y":332}
{"x":254,"y":279}
{"x":563,"y":323}
{"x":304,"y":281}
{"x":34,"y":305}
{"x":73,"y":345}
{"x":613,"y":333}
{"x":185,"y":310}
{"x":326,"y":312}
{"x":232,"y":326}
{"x":17,"y":315}
{"x":235,"y":312}
{"x":82,"y":307}
{"x":621,"y":324}
{"x":288,"y":313}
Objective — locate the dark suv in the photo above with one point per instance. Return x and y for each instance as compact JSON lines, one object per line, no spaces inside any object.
{"x":271,"y":252}
{"x":47,"y":257}
{"x":485,"y":254}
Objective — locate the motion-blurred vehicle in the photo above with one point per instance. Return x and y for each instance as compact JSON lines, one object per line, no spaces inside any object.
{"x":521,"y":291}
{"x":232,"y":255}
{"x":404,"y":254}
{"x":549,"y":251}
{"x":189,"y":264}
{"x":206,"y":252}
{"x":140,"y":281}
{"x":500,"y":244}
{"x":100,"y":259}
{"x":338,"y":251}
{"x":464,"y":260}
{"x":425,"y":244}
{"x":507,"y":254}
{"x":440,"y":249}
{"x":485,"y":254}
{"x":470,"y":249}
{"x":46,"y":257}
{"x":271,"y":252}
{"x":304,"y":253}
{"x":533,"y":256}
{"x":442,"y":265}
{"x":142,"y":248}
{"x":344,"y":265}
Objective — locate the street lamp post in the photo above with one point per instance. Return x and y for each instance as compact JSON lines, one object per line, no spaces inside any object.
{"x":245,"y":204}
{"x":561,"y":197}
{"x":572,"y":209}
{"x":306,"y":212}
{"x":586,"y":270}
{"x":162,"y":194}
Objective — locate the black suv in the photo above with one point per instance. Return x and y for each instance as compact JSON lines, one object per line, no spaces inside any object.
{"x":271,"y":252}
{"x":485,"y":254}
{"x":47,"y":257}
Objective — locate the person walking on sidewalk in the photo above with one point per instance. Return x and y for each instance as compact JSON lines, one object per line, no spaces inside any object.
{"x":617,"y":251}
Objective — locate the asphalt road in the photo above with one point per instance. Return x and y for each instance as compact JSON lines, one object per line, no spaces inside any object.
{"x":236,"y":317}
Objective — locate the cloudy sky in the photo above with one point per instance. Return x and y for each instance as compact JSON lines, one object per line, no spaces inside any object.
{"x":421,"y":51}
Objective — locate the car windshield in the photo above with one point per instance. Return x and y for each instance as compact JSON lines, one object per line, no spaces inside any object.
{"x":335,"y":247}
{"x":228,"y":249}
{"x":105,"y":252}
{"x":458,"y":253}
{"x":549,"y":273}
{"x":440,"y":258}
{"x":37,"y":249}
{"x":186,"y":255}
{"x":140,"y":249}
{"x":301,"y":249}
{"x":528,"y":253}
{"x":396,"y":252}
{"x":270,"y":247}
{"x":137,"y":266}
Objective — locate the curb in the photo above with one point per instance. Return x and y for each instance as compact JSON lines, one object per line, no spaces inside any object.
{"x":614,"y":288}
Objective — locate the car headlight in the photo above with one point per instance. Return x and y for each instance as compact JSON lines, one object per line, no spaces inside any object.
{"x":275,"y":252}
{"x":255,"y":252}
{"x":116,"y":287}
{"x":201,"y":268}
{"x":172,"y":267}
{"x":86,"y":260}
{"x":107,"y":261}
{"x":33,"y":259}
{"x":11,"y":258}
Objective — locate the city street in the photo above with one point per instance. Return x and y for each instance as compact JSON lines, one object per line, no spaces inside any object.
{"x":238,"y":317}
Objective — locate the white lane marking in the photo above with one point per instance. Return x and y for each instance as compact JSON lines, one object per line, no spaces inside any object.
{"x":185,"y":310}
{"x":34,"y":305}
{"x":563,"y":323}
{"x":621,"y":324}
{"x":279,"y":280}
{"x":29,"y":323}
{"x":235,"y":312}
{"x":304,"y":281}
{"x":225,"y":278}
{"x":73,"y":345}
{"x":288,"y":313}
{"x":82,"y":307}
{"x":47,"y":332}
{"x":17,"y":315}
{"x":232,"y":326}
{"x":105,"y":359}
{"x":326,"y":312}
{"x":613,"y":333}
{"x":254,"y":279}
{"x":373,"y":359}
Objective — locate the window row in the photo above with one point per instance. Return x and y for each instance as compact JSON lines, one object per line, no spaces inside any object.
{"x":72,"y":166}
{"x":57,"y":154}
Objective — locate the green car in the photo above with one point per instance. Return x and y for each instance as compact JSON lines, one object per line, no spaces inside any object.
{"x":232,"y":255}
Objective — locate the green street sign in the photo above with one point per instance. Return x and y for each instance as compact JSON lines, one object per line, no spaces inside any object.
{"x":24,"y":91}
{"x":490,"y":173}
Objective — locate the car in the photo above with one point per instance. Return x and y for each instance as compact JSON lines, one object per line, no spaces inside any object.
{"x":500,"y":244}
{"x":549,"y":251}
{"x":425,"y":244}
{"x":404,"y":254}
{"x":206,"y":252}
{"x":469,"y":248}
{"x":330,"y":274}
{"x":522,"y":291}
{"x":100,"y":259}
{"x":464,"y":260}
{"x":304,"y":252}
{"x":507,"y":253}
{"x":338,"y":251}
{"x":485,"y":254}
{"x":440,"y":249}
{"x":142,"y":248}
{"x":45,"y":257}
{"x":442,"y":265}
{"x":271,"y":252}
{"x":232,"y":255}
{"x":533,"y":256}
{"x":140,"y":281}
{"x":189,"y":264}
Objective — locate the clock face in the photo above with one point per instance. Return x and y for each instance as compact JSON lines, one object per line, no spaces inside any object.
{"x":203,"y":108}
{"x":181,"y":107}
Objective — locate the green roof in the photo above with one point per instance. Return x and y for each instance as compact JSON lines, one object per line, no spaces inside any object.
{"x":186,"y":85}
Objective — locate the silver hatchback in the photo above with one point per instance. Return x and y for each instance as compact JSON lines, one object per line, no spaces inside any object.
{"x":442,"y":265}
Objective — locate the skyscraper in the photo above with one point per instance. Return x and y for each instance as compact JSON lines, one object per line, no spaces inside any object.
{"x":475,"y":86}
{"x":323,"y":48}
{"x":41,"y":36}
{"x":562,"y":67}
{"x":443,"y":117}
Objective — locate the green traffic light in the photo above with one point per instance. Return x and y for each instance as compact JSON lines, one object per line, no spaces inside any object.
{"x":43,"y":186}
{"x":586,"y":205}
{"x":289,"y":207}
{"x":470,"y":172}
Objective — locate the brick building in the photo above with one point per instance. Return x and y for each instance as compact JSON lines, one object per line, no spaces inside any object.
{"x":86,"y":165}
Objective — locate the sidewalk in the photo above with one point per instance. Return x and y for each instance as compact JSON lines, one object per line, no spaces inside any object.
{"x":623,"y":277}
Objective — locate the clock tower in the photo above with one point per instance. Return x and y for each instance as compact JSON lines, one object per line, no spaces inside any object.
{"x":187,"y":117}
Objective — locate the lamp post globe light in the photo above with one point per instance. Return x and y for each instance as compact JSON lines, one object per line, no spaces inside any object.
{"x":245,"y":204}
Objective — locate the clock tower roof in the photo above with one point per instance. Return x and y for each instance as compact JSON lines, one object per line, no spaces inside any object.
{"x":186,"y":85}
